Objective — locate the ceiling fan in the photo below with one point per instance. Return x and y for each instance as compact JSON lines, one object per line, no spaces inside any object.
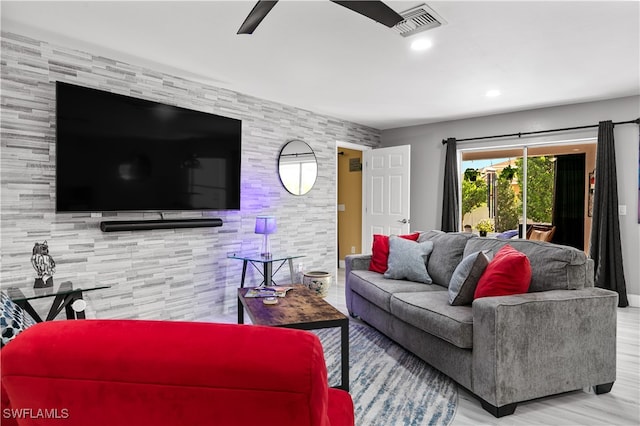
{"x":376,"y":10}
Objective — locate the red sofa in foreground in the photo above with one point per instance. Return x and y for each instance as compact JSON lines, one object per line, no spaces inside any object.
{"x":133,"y":372}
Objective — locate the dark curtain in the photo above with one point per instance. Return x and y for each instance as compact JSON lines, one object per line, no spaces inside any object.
{"x":568,"y":203}
{"x":450,"y":201}
{"x":606,"y":249}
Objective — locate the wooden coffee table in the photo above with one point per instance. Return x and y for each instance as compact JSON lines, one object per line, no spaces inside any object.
{"x":301,"y":309}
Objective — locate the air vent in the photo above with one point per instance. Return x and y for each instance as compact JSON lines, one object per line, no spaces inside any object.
{"x":418,"y":19}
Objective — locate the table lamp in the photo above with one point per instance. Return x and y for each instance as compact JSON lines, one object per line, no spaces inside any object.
{"x":265,"y":225}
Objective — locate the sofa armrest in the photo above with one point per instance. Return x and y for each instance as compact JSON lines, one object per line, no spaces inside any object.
{"x":536,"y":344}
{"x":353,"y":262}
{"x":357,"y":262}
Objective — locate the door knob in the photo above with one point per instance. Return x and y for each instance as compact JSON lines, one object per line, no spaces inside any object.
{"x":403,"y":221}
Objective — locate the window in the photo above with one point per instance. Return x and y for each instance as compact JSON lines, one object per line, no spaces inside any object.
{"x":555,"y":193}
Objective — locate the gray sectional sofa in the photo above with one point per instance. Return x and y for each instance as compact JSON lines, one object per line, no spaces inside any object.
{"x":558,"y":337}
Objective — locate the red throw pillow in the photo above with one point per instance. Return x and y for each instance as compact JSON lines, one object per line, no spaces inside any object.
{"x":508,"y":273}
{"x":380,"y":251}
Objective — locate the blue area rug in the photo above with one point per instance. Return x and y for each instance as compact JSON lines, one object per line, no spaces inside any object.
{"x":389,"y":385}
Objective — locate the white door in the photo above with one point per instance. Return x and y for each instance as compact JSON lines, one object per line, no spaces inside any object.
{"x":386,"y":176}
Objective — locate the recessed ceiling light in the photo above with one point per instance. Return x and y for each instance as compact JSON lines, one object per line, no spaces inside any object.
{"x":421,"y":44}
{"x":493,"y":93}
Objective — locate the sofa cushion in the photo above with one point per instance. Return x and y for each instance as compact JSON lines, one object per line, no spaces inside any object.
{"x":465,"y":278}
{"x":378,"y":290}
{"x":408,"y":260}
{"x":431,"y":312}
{"x":380,"y":251}
{"x":508,"y":273}
{"x":447,"y":253}
{"x":553,"y":267}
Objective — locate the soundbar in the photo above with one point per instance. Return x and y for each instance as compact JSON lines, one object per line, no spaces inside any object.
{"x":144,"y":225}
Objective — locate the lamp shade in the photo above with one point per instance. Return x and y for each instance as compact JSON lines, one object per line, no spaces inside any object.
{"x":265,"y":225}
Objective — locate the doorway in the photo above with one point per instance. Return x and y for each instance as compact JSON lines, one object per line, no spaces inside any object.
{"x":349,"y":168}
{"x":372,"y":195}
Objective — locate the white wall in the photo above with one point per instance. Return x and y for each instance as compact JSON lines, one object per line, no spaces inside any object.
{"x":428,"y":155}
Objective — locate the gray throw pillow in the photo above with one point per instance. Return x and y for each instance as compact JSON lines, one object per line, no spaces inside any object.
{"x":465,"y":278}
{"x":448,"y":248}
{"x":408,"y":260}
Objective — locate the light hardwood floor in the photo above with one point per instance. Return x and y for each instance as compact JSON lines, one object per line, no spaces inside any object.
{"x":619,"y":407}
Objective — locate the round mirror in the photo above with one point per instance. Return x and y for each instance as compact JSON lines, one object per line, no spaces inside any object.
{"x":297,"y":167}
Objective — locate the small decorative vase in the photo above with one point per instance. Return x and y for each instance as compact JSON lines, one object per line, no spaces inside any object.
{"x":318,"y":282}
{"x":483,"y":233}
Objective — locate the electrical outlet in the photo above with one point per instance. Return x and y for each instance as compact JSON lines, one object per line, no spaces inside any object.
{"x":622,"y":210}
{"x":353,"y":249}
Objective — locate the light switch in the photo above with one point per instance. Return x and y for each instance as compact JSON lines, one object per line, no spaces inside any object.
{"x":622,"y":210}
{"x":341,"y":207}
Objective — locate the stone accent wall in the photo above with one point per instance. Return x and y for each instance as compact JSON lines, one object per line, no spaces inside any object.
{"x":180,"y":274}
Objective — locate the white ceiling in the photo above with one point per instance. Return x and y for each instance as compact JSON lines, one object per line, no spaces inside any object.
{"x":322,"y":57}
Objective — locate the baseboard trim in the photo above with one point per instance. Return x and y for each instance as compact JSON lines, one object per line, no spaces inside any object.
{"x":342,"y":264}
{"x":634,"y":300}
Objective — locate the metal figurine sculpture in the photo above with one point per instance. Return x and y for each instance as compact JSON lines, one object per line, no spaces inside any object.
{"x":44,"y":265}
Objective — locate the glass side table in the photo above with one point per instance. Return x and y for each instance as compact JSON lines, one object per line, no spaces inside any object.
{"x":267,"y":272}
{"x":64,"y":296}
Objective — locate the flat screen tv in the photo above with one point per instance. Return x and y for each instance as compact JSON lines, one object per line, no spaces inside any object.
{"x":120,"y":153}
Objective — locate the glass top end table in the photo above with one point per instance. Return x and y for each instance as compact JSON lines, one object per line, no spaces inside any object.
{"x":65,"y":295}
{"x":255,"y":258}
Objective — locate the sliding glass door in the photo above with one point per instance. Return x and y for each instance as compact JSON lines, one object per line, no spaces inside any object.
{"x":491,"y":194}
{"x":544,"y":187}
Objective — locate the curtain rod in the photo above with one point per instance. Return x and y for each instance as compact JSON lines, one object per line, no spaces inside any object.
{"x":444,"y":141}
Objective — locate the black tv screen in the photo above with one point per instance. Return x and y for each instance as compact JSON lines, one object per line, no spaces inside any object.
{"x":120,"y":153}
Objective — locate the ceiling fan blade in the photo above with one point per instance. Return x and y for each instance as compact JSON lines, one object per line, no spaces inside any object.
{"x":376,"y":10}
{"x":256,"y":16}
